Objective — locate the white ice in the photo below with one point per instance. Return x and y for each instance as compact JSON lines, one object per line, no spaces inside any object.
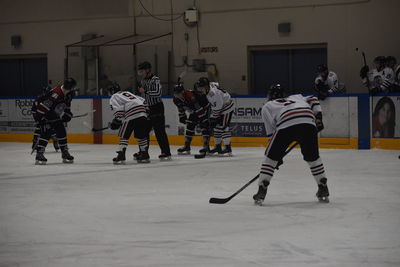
{"x":93,"y":213}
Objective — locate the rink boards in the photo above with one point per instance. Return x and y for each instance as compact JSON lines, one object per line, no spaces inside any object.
{"x":347,"y":119}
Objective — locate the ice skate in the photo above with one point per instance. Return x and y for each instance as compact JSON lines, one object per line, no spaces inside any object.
{"x":227,"y":151}
{"x":185,"y":150}
{"x":143,"y":157}
{"x":262,"y":192}
{"x":202,"y":153}
{"x":67,"y":158}
{"x":216,"y":149}
{"x":120,"y":158}
{"x":164,"y":157}
{"x":40,"y":159}
{"x":323,"y":192}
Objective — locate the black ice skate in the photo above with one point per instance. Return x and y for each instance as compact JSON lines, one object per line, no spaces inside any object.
{"x":202,"y":153}
{"x":120,"y":158}
{"x":40,"y":159}
{"x":165,"y":156}
{"x":323,"y":192}
{"x":227,"y":150}
{"x":216,"y":149}
{"x":143,"y":157}
{"x":262,"y":192}
{"x":185,"y":150}
{"x":67,"y":158}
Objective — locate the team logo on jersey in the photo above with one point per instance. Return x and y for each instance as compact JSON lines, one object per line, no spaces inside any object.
{"x":54,"y":95}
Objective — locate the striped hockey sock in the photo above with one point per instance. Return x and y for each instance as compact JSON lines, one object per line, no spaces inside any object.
{"x":317,"y":169}
{"x":267,"y":170}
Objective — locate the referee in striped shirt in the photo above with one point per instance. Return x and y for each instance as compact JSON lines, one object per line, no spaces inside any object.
{"x":151,"y":90}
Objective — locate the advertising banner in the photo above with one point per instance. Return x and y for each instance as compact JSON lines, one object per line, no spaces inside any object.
{"x":385,"y":117}
{"x":16,"y":115}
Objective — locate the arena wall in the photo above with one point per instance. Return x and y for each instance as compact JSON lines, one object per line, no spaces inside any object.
{"x":347,"y":120}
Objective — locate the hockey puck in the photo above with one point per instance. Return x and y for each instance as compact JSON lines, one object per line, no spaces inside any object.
{"x":399,"y":157}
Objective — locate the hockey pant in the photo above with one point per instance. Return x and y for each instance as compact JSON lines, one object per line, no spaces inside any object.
{"x":222,"y":131}
{"x":306,"y":136}
{"x":191,"y":124}
{"x":36,"y":135}
{"x":47,"y":132}
{"x":157,"y":122}
{"x":140,"y":128}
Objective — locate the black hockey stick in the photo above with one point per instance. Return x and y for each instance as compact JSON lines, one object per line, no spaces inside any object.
{"x":84,"y":114}
{"x":215,"y":200}
{"x":365,"y":65}
{"x":99,"y":129}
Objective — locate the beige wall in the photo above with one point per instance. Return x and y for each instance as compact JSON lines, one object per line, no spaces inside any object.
{"x":47,"y":26}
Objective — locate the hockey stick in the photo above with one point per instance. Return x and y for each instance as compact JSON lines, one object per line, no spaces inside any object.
{"x":365,"y":65}
{"x":99,"y":129}
{"x":84,"y":114}
{"x":215,"y":200}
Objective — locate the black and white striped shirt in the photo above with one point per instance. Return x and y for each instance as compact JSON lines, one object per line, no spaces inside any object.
{"x":152,"y":90}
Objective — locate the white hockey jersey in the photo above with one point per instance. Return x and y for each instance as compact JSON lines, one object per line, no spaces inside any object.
{"x":380,"y":79}
{"x":331,"y":82}
{"x":285,"y":112}
{"x":220,"y":100}
{"x":128,"y":106}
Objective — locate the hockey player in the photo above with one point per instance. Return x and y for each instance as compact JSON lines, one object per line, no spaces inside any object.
{"x":221,"y":114}
{"x":197,"y":106}
{"x":379,"y":79}
{"x":36,"y":133}
{"x":52,"y":112}
{"x":326,"y":82}
{"x":391,"y":63}
{"x":130,"y":115}
{"x":294,"y":118}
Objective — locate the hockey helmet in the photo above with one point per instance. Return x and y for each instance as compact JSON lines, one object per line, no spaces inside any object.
{"x":145,"y":65}
{"x":178,"y":88}
{"x":203,"y":82}
{"x":322,"y":68}
{"x":69,"y":83}
{"x":391,"y":61}
{"x":275,"y":91}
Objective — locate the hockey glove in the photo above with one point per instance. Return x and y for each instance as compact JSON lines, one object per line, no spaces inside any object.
{"x":214,"y":122}
{"x":182,"y":118}
{"x":204,"y":124}
{"x":318,"y":122}
{"x":115,"y":124}
{"x":364,"y":71}
{"x":67,"y":116}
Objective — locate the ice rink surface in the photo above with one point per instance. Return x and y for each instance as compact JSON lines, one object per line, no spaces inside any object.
{"x":92,"y":213}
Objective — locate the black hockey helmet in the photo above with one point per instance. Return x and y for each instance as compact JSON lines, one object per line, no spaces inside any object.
{"x":178,"y":88}
{"x":380,"y":60}
{"x":145,"y":65}
{"x":322,"y":68}
{"x":69,"y":83}
{"x":203,"y":82}
{"x":391,"y":61}
{"x":275,"y":91}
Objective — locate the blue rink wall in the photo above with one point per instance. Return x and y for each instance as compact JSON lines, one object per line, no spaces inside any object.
{"x":351,"y":121}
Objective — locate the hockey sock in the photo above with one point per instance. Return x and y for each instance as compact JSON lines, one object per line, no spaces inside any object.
{"x":123,"y":143}
{"x":267,"y":170}
{"x":226,"y":136}
{"x":143,"y":144}
{"x":317,"y":169}
{"x":41,"y":147}
{"x":206,"y":140}
{"x":62,"y":143}
{"x":188,"y":140}
{"x":218,"y":136}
